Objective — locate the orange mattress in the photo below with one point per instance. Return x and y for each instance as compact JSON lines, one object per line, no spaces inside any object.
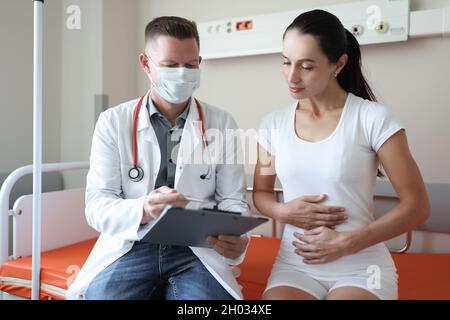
{"x":59,"y":268}
{"x":421,"y":276}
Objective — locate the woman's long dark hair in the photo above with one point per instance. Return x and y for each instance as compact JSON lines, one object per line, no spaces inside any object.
{"x":335,"y":40}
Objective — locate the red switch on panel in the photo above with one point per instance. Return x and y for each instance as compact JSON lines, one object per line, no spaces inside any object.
{"x":244,"y":25}
{"x":240,"y":26}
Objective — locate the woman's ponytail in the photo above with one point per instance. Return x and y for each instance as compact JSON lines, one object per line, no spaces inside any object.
{"x":351,"y":78}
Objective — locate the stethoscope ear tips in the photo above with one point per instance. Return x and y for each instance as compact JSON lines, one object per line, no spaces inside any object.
{"x":136,"y":174}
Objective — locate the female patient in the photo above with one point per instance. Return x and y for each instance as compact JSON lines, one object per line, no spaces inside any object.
{"x":330,"y":144}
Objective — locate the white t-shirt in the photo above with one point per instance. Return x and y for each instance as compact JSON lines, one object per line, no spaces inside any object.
{"x":343,"y":166}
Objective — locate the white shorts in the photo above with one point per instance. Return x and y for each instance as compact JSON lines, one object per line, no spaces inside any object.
{"x":383,"y":284}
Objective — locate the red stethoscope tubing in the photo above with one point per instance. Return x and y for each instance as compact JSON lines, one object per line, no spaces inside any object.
{"x":135,"y":122}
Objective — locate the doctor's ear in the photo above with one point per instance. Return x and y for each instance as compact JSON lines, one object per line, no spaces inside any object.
{"x":143,"y":60}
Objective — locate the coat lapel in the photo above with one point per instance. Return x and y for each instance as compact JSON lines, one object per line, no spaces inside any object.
{"x":149,"y":154}
{"x":144,"y":127}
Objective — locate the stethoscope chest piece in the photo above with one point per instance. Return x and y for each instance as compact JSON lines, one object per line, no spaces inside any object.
{"x":136,"y":174}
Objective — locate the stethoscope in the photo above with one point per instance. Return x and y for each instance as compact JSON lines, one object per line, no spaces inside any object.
{"x":136,"y":173}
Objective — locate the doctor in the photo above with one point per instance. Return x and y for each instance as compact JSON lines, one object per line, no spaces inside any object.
{"x":143,"y":158}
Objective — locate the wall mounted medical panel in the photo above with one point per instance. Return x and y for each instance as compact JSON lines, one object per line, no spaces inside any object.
{"x":378,"y":21}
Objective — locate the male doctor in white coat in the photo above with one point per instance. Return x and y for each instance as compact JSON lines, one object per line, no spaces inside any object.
{"x":120,"y":201}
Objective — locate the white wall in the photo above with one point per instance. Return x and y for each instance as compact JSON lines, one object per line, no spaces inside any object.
{"x":81,"y":80}
{"x":16,"y":83}
{"x":412,"y":78}
{"x":120,"y":50}
{"x":100,"y":58}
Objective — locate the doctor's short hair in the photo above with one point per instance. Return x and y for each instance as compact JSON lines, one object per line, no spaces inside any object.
{"x":177,"y":27}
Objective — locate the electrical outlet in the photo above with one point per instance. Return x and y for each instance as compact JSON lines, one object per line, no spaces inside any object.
{"x":382,"y":27}
{"x":357,"y":29}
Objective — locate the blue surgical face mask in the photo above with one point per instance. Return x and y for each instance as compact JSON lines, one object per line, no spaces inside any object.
{"x":176,"y":85}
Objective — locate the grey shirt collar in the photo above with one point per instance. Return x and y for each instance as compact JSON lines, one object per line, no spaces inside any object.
{"x":181,"y":119}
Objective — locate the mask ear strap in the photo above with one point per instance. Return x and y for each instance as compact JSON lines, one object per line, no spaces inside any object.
{"x":149,"y":75}
{"x":151,"y":80}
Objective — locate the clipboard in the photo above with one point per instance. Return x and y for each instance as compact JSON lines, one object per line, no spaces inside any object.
{"x":182,"y":227}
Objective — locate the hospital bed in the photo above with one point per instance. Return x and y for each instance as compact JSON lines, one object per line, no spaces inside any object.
{"x":67,"y":241}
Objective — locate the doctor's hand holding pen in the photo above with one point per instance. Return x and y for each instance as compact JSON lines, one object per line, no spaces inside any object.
{"x":228,"y":246}
{"x":156,"y":200}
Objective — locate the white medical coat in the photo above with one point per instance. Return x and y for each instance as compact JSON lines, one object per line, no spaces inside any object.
{"x":114,"y":204}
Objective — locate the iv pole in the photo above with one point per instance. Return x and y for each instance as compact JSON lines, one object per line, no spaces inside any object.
{"x":37,"y":148}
